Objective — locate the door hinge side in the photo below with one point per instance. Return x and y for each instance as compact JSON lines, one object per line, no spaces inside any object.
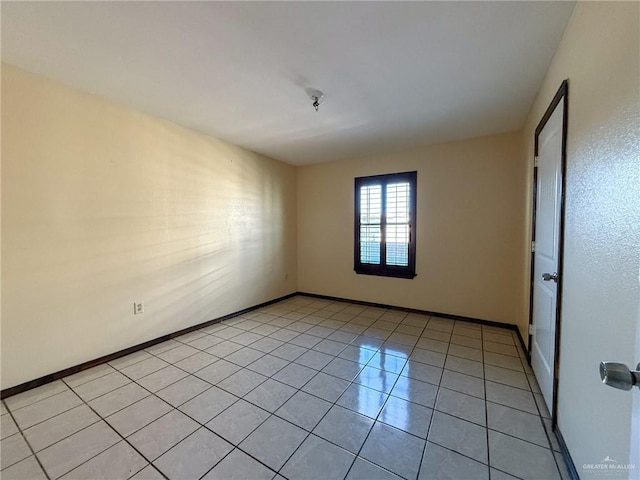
{"x":535,"y":161}
{"x":533,"y":246}
{"x":531,"y":329}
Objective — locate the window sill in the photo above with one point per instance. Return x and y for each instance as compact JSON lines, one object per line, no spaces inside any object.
{"x":385,"y":272}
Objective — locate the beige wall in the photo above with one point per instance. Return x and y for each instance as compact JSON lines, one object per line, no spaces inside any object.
{"x":469,"y":229}
{"x":599,"y":54}
{"x":103,"y":206}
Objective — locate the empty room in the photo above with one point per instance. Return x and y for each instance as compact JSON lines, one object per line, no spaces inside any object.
{"x":320,"y":240}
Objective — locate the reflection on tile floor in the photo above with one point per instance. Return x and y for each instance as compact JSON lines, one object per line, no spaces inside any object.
{"x":301,"y":389}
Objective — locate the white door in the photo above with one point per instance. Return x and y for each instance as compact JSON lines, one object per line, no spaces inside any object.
{"x":546,"y":252}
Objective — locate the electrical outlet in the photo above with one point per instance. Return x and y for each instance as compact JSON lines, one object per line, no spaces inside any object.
{"x":138,"y":308}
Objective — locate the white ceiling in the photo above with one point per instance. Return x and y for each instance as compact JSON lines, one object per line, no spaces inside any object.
{"x":396,"y":75}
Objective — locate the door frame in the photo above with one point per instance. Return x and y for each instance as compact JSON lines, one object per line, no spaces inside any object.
{"x":562,"y":93}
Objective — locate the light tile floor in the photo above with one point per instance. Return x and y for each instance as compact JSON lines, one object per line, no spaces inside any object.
{"x":302,"y":389}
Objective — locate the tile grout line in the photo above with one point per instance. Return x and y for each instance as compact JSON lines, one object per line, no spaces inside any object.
{"x":435,"y":401}
{"x":544,"y":428}
{"x":104,"y":419}
{"x":455,"y":416}
{"x":350,"y":383}
{"x":375,"y":420}
{"x":486,"y":426}
{"x":486,"y":418}
{"x":144,"y":426}
{"x":325,"y":414}
{"x":486,"y":409}
{"x":309,"y":433}
{"x":203,"y":425}
{"x":28,"y":444}
{"x":378,"y":416}
{"x":298,"y":333}
{"x":150,"y":462}
{"x":32,"y":403}
{"x":116,"y":370}
{"x":52,"y":416}
{"x":335,"y":356}
{"x":218,"y":358}
{"x":69,"y":435}
{"x":110,"y":446}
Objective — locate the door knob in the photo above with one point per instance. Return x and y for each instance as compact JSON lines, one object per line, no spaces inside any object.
{"x":550,"y":276}
{"x":617,"y":375}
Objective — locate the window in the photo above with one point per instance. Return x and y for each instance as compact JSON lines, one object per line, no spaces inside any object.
{"x":385,"y":222}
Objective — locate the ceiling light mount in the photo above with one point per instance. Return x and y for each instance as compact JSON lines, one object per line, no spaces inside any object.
{"x":316,"y":96}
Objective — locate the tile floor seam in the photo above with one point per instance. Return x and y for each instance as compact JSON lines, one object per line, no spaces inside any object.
{"x":198,"y":352}
{"x":309,"y":433}
{"x":435,"y":402}
{"x":486,"y":410}
{"x":335,"y":404}
{"x":110,"y":391}
{"x":32,"y":403}
{"x":520,"y":438}
{"x":17,"y":434}
{"x":376,"y":419}
{"x":379,"y":337}
{"x":129,"y":365}
{"x":435,"y":409}
{"x":351,"y":382}
{"x":122,"y":438}
{"x":198,"y":422}
{"x":33,"y":453}
{"x":177,"y":407}
{"x":130,"y":405}
{"x":514,"y":408}
{"x":168,"y":385}
{"x":462,"y":455}
{"x":69,"y":435}
{"x":149,"y":391}
{"x":237,"y":446}
{"x":323,"y":416}
{"x":548,"y":436}
{"x":200,"y":426}
{"x":194,"y":373}
{"x":550,"y":445}
{"x":92,"y":379}
{"x":299,"y":390}
{"x":52,"y":416}
{"x":506,"y":473}
{"x":295,"y":450}
{"x":151,"y":394}
{"x":172,"y":408}
{"x":509,"y":385}
{"x":357,"y":456}
{"x":163,"y":351}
